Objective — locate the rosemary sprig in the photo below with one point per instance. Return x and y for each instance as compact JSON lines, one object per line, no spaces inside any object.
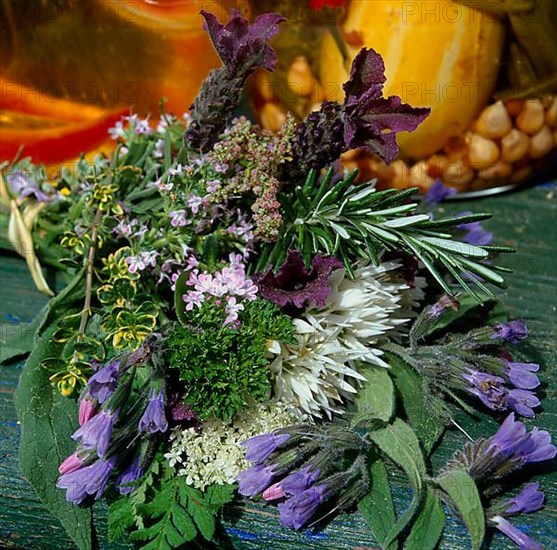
{"x":358,"y":221}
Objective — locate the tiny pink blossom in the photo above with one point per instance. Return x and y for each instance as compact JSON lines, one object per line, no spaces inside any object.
{"x":87,"y":409}
{"x":70,"y":464}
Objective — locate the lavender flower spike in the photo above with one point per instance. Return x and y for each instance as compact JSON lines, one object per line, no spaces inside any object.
{"x":524,"y":542}
{"x":438,"y":192}
{"x":488,"y":388}
{"x":95,"y":434}
{"x":260,"y":447}
{"x":154,"y":417}
{"x":256,"y":479}
{"x":523,"y":402}
{"x":512,"y":332}
{"x":88,"y":481}
{"x":529,"y":500}
{"x":298,"y":511}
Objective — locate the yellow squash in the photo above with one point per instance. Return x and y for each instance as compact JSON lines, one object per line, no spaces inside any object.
{"x":437,"y":54}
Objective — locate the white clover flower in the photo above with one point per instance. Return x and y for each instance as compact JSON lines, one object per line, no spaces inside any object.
{"x":213,"y":454}
{"x":321,"y":370}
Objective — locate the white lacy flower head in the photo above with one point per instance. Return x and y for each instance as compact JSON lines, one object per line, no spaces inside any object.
{"x":213,"y":453}
{"x":321,"y":371}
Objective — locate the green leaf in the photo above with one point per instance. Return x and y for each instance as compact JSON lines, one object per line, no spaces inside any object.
{"x":399,"y":442}
{"x":376,"y":399}
{"x":197,"y":508}
{"x":465,"y":498}
{"x":428,"y":525}
{"x":47,"y":421}
{"x":377,"y":506}
{"x":179,"y":304}
{"x":120,"y":518}
{"x":418,"y":406}
{"x":17,"y":339}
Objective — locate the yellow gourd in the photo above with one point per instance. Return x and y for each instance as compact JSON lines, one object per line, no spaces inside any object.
{"x":437,"y":54}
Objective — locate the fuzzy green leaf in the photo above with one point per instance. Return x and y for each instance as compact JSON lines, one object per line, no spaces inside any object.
{"x":47,"y":422}
{"x":428,"y":525}
{"x":377,"y":506}
{"x":417,"y":404}
{"x":465,"y":498}
{"x":376,"y":399}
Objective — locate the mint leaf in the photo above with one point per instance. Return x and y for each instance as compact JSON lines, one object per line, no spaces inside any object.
{"x":47,"y":420}
{"x":465,"y":498}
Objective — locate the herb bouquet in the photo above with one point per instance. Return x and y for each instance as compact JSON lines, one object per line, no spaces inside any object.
{"x":239,"y":315}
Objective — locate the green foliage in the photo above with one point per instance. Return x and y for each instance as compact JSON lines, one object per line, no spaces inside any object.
{"x":224,"y":366}
{"x":428,"y":525}
{"x":47,"y":421}
{"x":357,"y":221}
{"x":376,"y":399}
{"x":164,"y":512}
{"x":461,"y":491}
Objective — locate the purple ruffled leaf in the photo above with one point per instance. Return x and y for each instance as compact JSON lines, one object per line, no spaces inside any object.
{"x":295,"y":285}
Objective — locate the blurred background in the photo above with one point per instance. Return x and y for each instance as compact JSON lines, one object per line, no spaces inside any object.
{"x":70,"y":69}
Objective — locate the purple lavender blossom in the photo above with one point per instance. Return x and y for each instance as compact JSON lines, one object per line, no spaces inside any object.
{"x":256,"y":479}
{"x":522,"y":402}
{"x":293,"y":484}
{"x":296,"y":286}
{"x":438,"y":192}
{"x":512,"y":332}
{"x":260,"y":447}
{"x":103,"y":383}
{"x":154,"y":417}
{"x":296,"y":512}
{"x":444,"y":303}
{"x":529,"y":500}
{"x":488,"y":388}
{"x":522,"y":376}
{"x":88,"y":481}
{"x":524,"y":542}
{"x":178,"y":218}
{"x":514,"y":443}
{"x":95,"y":434}
{"x":132,"y":473}
{"x":23,"y":186}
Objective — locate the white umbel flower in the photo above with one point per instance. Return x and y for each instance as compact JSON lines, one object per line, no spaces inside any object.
{"x":321,"y":370}
{"x":213,"y":453}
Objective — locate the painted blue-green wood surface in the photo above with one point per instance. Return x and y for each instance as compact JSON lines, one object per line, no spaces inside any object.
{"x":526,"y":219}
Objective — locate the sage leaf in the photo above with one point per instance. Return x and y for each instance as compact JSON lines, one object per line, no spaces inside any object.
{"x":47,"y":421}
{"x":465,"y":498}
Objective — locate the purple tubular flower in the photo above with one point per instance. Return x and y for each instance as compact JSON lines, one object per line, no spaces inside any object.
{"x":24,"y":186}
{"x":103,"y":383}
{"x":260,"y":447}
{"x":88,"y":481}
{"x":438,"y":192}
{"x":87,"y":408}
{"x":132,"y":473}
{"x":95,"y":434}
{"x":521,"y":375}
{"x":488,"y":388}
{"x":296,"y":286}
{"x":154,"y":417}
{"x":476,"y":234}
{"x":529,"y":500}
{"x":514,"y":443}
{"x":524,"y":542}
{"x":512,"y":332}
{"x":256,"y":479}
{"x":297,"y":512}
{"x":299,"y":481}
{"x":522,"y":402}
{"x":71,"y":464}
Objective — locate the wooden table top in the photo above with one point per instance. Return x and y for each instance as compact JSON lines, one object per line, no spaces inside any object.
{"x":526,"y":219}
